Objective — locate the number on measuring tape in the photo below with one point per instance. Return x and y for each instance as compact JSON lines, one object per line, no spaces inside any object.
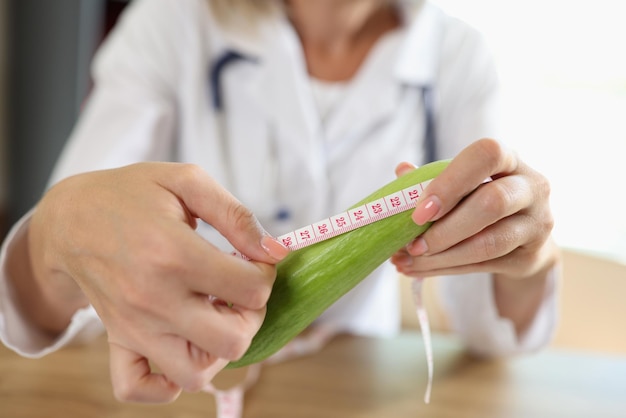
{"x":377,"y":208}
{"x":358,"y":215}
{"x":412,"y":193}
{"x":340,"y":221}
{"x":322,"y":228}
{"x":288,"y":240}
{"x":304,"y":235}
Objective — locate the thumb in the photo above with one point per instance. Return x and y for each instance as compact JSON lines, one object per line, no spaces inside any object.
{"x":206,"y":199}
{"x":134,"y":381}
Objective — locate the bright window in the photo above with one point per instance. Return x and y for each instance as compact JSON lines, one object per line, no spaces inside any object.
{"x":563,"y":68}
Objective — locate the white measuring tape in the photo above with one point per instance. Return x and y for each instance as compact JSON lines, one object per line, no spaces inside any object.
{"x":230,"y":402}
{"x":351,"y":219}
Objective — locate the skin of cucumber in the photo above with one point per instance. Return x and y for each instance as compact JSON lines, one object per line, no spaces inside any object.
{"x":311,"y":279}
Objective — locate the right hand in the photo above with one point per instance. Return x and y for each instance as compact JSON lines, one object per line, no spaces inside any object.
{"x":123,"y":240}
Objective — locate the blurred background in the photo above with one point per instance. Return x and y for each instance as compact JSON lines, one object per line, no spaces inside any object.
{"x":563,"y":71}
{"x":45,"y":52}
{"x":564,"y":77}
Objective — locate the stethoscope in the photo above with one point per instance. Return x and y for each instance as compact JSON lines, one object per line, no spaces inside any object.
{"x":228,"y":57}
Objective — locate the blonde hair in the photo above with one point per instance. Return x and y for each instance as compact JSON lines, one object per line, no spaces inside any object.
{"x":242,"y":12}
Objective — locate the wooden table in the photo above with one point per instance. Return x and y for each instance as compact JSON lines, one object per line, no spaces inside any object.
{"x":351,"y":377}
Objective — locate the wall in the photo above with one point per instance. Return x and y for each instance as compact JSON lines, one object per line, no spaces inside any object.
{"x":3,"y":117}
{"x":52,"y":43}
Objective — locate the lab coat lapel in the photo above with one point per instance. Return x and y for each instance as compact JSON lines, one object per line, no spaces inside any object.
{"x":282,"y":91}
{"x":418,"y":59}
{"x":272,"y":125}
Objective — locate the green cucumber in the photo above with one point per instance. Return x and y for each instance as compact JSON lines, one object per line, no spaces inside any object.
{"x":311,"y":279}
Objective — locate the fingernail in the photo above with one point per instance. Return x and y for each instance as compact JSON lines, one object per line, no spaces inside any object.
{"x":426,"y":210}
{"x":418,"y":247}
{"x":404,"y":168}
{"x":274,"y":248}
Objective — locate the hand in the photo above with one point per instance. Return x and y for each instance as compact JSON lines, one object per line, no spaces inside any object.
{"x":124,"y":241}
{"x":502,"y":226}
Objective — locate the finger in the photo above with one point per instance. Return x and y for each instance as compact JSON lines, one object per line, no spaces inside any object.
{"x":518,"y":262}
{"x":404,"y":168}
{"x":208,"y":200}
{"x":184,"y":363}
{"x":469,"y":169}
{"x":223,"y":331}
{"x":487,"y":205}
{"x":207,"y":270}
{"x":134,"y":381}
{"x":477,"y":253}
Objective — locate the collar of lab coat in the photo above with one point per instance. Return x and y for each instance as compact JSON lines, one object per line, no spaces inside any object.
{"x":417,"y":63}
{"x":418,"y":60}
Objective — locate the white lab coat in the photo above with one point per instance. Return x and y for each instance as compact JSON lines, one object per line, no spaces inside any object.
{"x":153,"y":101}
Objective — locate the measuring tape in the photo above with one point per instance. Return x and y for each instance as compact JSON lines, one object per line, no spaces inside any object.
{"x":351,"y":219}
{"x":229,"y":402}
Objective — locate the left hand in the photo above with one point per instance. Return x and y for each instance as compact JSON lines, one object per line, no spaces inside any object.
{"x":502,"y":226}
